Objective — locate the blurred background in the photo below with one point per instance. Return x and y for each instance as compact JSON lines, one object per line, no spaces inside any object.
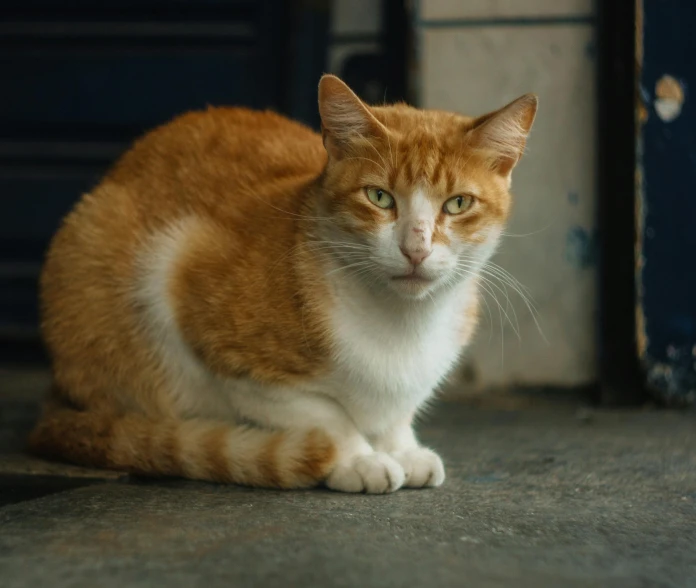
{"x":604,"y":195}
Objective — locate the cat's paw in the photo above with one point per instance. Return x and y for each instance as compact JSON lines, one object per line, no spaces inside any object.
{"x":422,"y":467}
{"x":375,"y":473}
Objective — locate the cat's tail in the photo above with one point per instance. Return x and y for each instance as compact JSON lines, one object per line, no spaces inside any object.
{"x":197,"y":449}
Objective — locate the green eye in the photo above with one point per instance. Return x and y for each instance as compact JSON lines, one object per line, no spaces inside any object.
{"x":380,"y":198}
{"x":458,"y":204}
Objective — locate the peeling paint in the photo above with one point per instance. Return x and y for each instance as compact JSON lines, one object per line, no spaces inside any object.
{"x":669,"y":98}
{"x":665,"y":314}
{"x":641,"y":333}
{"x":591,"y":49}
{"x":641,"y":112}
{"x":674,"y":382}
{"x":639,"y":196}
{"x":643,"y":97}
{"x":581,"y":247}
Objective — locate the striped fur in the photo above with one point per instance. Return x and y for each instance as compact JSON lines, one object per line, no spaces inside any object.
{"x":194,"y":448}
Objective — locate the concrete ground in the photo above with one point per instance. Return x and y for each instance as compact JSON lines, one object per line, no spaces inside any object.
{"x":538,"y":497}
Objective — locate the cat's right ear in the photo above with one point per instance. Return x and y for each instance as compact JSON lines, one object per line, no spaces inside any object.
{"x":345,"y":119}
{"x":503,"y":133}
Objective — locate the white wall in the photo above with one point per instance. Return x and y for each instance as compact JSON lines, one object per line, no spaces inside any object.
{"x":475,"y":56}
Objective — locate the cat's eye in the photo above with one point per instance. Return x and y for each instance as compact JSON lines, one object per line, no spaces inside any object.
{"x":458,"y":204}
{"x":380,"y":198}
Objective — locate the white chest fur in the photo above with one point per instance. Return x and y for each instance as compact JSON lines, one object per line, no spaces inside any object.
{"x":390,"y":355}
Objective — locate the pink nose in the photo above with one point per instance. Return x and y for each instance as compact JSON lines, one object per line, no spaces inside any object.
{"x":415,"y":257}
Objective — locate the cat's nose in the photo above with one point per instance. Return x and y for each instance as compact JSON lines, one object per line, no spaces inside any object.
{"x":416,"y":257}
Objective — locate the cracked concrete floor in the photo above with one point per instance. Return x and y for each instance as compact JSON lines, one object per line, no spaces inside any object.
{"x":533,"y":498}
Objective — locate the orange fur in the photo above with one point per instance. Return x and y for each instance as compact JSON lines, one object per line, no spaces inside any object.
{"x":248,"y":290}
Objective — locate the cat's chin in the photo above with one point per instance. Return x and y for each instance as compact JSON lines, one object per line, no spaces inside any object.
{"x":411,"y":287}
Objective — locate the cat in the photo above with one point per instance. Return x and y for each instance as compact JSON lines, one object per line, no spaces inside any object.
{"x":243,"y":300}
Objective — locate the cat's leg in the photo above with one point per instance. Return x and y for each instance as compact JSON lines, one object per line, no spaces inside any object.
{"x":358,"y":467}
{"x":422,"y":466}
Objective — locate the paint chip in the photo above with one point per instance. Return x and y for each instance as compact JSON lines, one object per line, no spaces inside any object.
{"x":669,"y":98}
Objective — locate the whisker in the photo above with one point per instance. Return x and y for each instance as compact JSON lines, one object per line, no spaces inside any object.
{"x":379,"y":154}
{"x":345,"y":267}
{"x":550,"y":224}
{"x":515,"y":326}
{"x":500,"y":315}
{"x":290,"y":213}
{"x":384,"y":170}
{"x":524,"y":295}
{"x":493,"y":270}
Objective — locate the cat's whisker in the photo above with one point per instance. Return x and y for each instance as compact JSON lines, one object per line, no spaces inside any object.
{"x":526,"y":297}
{"x":490,"y":318}
{"x":490,"y":287}
{"x":346,"y":267}
{"x":290,"y":213}
{"x":338,"y":245}
{"x":473,"y":270}
{"x":483,"y":271}
{"x":513,"y":235}
{"x":508,"y":278}
{"x":501,"y":312}
{"x":494,"y":270}
{"x":326,"y":246}
{"x":467,"y":161}
{"x":364,"y":273}
{"x":452,"y":282}
{"x":391,"y":154}
{"x":384,"y":170}
{"x":379,"y":154}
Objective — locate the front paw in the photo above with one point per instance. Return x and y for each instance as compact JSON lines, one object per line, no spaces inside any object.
{"x":422,"y":467}
{"x":374,"y":473}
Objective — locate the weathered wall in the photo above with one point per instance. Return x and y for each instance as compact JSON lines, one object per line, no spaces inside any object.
{"x":666,"y":199}
{"x":473,"y":57}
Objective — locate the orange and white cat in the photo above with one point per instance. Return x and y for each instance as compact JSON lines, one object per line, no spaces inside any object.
{"x":242,"y":301}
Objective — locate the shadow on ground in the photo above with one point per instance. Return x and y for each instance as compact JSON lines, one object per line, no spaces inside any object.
{"x":533,"y":498}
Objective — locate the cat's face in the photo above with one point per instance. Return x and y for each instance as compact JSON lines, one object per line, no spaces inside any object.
{"x":417,"y":200}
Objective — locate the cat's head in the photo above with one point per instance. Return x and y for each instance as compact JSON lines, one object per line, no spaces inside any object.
{"x":417,"y":199}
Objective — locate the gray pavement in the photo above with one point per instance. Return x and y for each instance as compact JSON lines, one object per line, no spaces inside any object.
{"x":533,"y":498}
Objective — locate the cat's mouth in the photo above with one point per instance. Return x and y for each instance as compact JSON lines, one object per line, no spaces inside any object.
{"x":411,"y":279}
{"x":412,"y":285}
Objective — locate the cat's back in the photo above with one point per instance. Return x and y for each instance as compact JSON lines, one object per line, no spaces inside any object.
{"x":224,"y":140}
{"x":230,"y":166}
{"x":218,"y":157}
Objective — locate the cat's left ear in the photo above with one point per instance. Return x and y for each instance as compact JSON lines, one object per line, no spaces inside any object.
{"x":502,"y":134}
{"x":345,"y":119}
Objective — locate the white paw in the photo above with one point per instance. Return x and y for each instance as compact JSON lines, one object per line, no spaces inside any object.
{"x":375,"y":473}
{"x":423,"y":467}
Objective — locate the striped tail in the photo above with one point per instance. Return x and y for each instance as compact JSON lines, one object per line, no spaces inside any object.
{"x":196,"y":449}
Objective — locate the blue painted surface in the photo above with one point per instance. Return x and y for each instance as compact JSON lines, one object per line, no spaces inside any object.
{"x":667,"y":276}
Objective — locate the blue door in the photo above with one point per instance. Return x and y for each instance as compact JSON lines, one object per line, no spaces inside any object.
{"x":81,"y":79}
{"x":666,"y":199}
